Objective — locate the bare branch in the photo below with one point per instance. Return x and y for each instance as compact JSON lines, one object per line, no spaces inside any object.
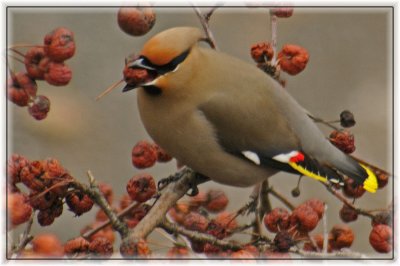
{"x":206,"y":27}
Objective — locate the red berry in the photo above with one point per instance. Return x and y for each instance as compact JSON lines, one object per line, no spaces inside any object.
{"x":342,"y":236}
{"x":348,"y":214}
{"x":32,"y":61}
{"x":39,"y":107}
{"x":282,"y":12}
{"x":139,"y":249}
{"x":141,"y":187}
{"x":59,"y":44}
{"x":18,"y":209}
{"x":178,"y":252}
{"x":278,"y":219}
{"x":283,"y":241}
{"x":101,"y":247}
{"x":383,"y":179}
{"x":20,"y":87}
{"x":343,"y":140}
{"x":107,"y":191}
{"x":14,"y":167}
{"x":222,"y":225}
{"x":261,"y":52}
{"x":144,"y":155}
{"x":76,"y":247}
{"x":196,"y":222}
{"x":352,"y":190}
{"x":162,"y":155}
{"x":217,"y":200}
{"x":293,"y":59}
{"x":47,"y":245}
{"x":179,"y":212}
{"x":317,"y":205}
{"x":136,"y":21}
{"x":380,"y":238}
{"x":137,"y":76}
{"x":304,"y":218}
{"x":57,"y":74}
{"x":79,"y":203}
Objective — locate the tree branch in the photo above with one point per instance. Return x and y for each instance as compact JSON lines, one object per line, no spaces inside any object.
{"x":204,"y":22}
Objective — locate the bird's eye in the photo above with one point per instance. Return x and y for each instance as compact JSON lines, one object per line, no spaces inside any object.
{"x":171,"y":66}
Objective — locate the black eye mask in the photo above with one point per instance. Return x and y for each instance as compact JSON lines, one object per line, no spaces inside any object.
{"x":171,"y":66}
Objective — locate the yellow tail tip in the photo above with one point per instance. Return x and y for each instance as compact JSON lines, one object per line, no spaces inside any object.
{"x":371,"y":183}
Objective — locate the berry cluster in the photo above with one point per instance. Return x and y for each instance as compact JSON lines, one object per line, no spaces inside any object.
{"x":42,"y":63}
{"x":146,"y":154}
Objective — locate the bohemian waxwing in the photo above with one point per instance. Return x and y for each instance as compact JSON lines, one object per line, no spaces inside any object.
{"x":228,"y":120}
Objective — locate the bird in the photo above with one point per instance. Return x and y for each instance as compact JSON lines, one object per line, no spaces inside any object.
{"x":227,"y":120}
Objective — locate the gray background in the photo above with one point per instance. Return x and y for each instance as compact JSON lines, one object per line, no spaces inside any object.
{"x":350,"y":68}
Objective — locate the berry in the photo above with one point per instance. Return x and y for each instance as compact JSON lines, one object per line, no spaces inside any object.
{"x":107,"y":191}
{"x":222,"y":225}
{"x":380,"y":238}
{"x":196,"y":222}
{"x":347,"y":119}
{"x":261,"y":52}
{"x":18,"y":209}
{"x":217,"y":200}
{"x":144,"y":155}
{"x":382,"y":179}
{"x":57,"y":73}
{"x":317,"y":205}
{"x":14,"y":167}
{"x":141,"y":187}
{"x":352,"y":190}
{"x":178,"y":252}
{"x":348,"y":214}
{"x":179,"y":212}
{"x":293,"y":59}
{"x":136,"y":21}
{"x":101,"y":247}
{"x":343,"y":140}
{"x":242,"y":254}
{"x":295,"y":192}
{"x":79,"y":203}
{"x":31,"y":176}
{"x":125,"y":201}
{"x":276,"y":220}
{"x":200,"y":199}
{"x":382,"y":218}
{"x":139,"y":249}
{"x":342,"y":236}
{"x":162,"y":155}
{"x":32,"y":60}
{"x":282,"y":12}
{"x":20,"y":87}
{"x":283,"y":241}
{"x":106,"y":232}
{"x":304,"y":218}
{"x":59,"y":44}
{"x":39,"y":108}
{"x":76,"y":247}
{"x":47,"y":245}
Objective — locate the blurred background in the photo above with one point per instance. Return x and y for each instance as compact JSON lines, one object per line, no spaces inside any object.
{"x":350,"y":67}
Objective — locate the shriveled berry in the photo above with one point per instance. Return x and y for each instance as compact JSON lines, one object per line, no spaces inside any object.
{"x":282,"y":12}
{"x":141,"y":187}
{"x":162,"y":155}
{"x":125,"y":201}
{"x":42,"y":201}
{"x":178,"y":252}
{"x":343,"y":140}
{"x":283,"y":241}
{"x":380,"y":238}
{"x":101,"y":247}
{"x":32,"y":60}
{"x":14,"y":167}
{"x":348,"y":214}
{"x":304,"y":218}
{"x":59,"y":44}
{"x":79,"y":203}
{"x":136,"y":21}
{"x":293,"y":59}
{"x":31,"y":176}
{"x":347,"y":119}
{"x":58,"y":74}
{"x":295,"y":192}
{"x":179,"y":212}
{"x":20,"y":87}
{"x":47,"y":245}
{"x":46,"y":217}
{"x":261,"y":52}
{"x":76,"y":247}
{"x":39,"y":107}
{"x":217,"y":200}
{"x":241,"y":254}
{"x":222,"y":225}
{"x":106,"y":232}
{"x":196,"y":222}
{"x":352,"y":190}
{"x":342,"y":236}
{"x":317,"y":205}
{"x":144,"y":155}
{"x":383,"y":179}
{"x":197,"y":246}
{"x":18,"y":209}
{"x":200,"y":199}
{"x":276,"y":220}
{"x":138,"y":249}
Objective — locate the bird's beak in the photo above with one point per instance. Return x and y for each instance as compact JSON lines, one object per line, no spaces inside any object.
{"x":128,"y":88}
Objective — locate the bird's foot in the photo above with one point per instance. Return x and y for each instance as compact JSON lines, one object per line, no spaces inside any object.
{"x":167,"y":180}
{"x":194,"y":190}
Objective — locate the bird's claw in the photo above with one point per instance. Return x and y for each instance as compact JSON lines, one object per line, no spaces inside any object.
{"x":167,"y":180}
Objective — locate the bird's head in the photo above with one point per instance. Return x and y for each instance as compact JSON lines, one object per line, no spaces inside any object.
{"x":164,"y":54}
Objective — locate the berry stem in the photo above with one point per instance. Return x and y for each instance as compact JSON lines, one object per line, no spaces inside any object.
{"x":109,"y":89}
{"x":206,"y":27}
{"x":16,"y":58}
{"x":25,"y":239}
{"x":24,"y":45}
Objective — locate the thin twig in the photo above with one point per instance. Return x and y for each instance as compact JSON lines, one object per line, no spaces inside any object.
{"x":319,"y":120}
{"x":16,"y":58}
{"x":282,"y":198}
{"x":338,"y":254}
{"x":109,"y":89}
{"x":325,"y":227}
{"x":26,"y":237}
{"x":274,"y":38}
{"x":206,"y":27}
{"x":94,"y":193}
{"x":197,"y":236}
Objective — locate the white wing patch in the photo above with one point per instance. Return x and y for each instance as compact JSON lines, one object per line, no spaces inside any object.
{"x":285,"y":157}
{"x":252,"y":157}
